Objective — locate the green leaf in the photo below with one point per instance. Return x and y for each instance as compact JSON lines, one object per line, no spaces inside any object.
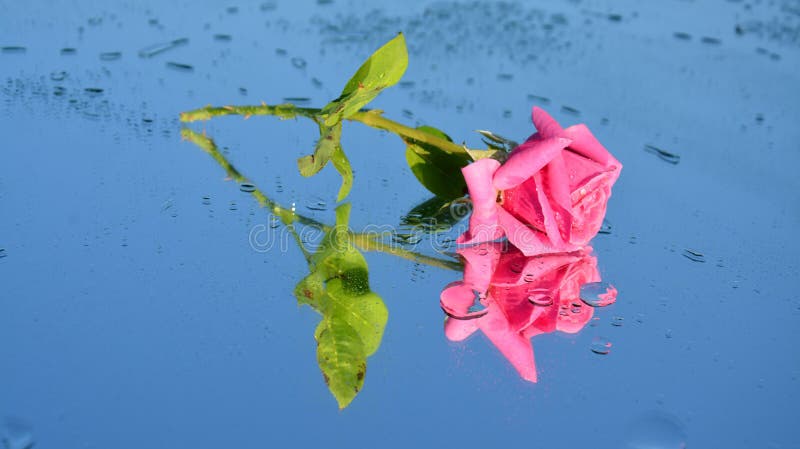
{"x":383,"y":69}
{"x":436,"y":214}
{"x":341,"y":358}
{"x":329,"y":140}
{"x":436,"y":169}
{"x":353,"y":317}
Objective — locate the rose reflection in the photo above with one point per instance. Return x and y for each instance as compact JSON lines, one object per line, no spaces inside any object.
{"x":511,"y":298}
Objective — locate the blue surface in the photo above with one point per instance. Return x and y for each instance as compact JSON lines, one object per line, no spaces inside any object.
{"x":134,"y":315}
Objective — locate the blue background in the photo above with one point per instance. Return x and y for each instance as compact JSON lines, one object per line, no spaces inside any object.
{"x":134,"y":315}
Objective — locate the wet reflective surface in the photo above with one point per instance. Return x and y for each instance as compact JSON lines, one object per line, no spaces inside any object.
{"x":135,"y":311}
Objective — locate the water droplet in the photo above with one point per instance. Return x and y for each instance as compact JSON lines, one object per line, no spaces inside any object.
{"x":110,"y":55}
{"x":246,"y":187}
{"x":281,"y":52}
{"x":299,"y":63}
{"x":601,"y":345}
{"x":655,"y":430}
{"x":710,"y":40}
{"x":598,"y":294}
{"x":664,"y":155}
{"x":529,"y":277}
{"x":93,"y":91}
{"x":681,"y":35}
{"x":482,"y":251}
{"x":155,"y":49}
{"x":207,"y":200}
{"x":16,"y":434}
{"x":570,"y":110}
{"x":539,"y":99}
{"x":540,"y":297}
{"x":58,"y":75}
{"x":316,"y":204}
{"x":605,"y":228}
{"x":222,"y":37}
{"x":3,"y":253}
{"x":517,"y":266}
{"x":13,"y":50}
{"x":617,"y":321}
{"x":68,"y":51}
{"x":693,"y":255}
{"x":668,"y":333}
{"x":297,"y":100}
{"x":179,"y":66}
{"x":268,"y":6}
{"x":233,"y":206}
{"x":505,"y":77}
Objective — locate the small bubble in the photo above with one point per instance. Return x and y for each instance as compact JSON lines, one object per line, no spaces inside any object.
{"x":693,"y":255}
{"x":601,"y":345}
{"x":281,"y":52}
{"x":233,"y":206}
{"x":517,"y":266}
{"x":668,"y":333}
{"x":68,"y":51}
{"x":664,"y":155}
{"x":16,"y":434}
{"x":539,"y":99}
{"x":299,"y":63}
{"x":605,"y":228}
{"x":3,"y":253}
{"x":223,"y":37}
{"x":246,"y":187}
{"x":58,"y":75}
{"x":482,"y":251}
{"x":207,"y":200}
{"x":570,"y":110}
{"x":110,"y":56}
{"x":181,"y":67}
{"x":529,"y":277}
{"x":598,"y":294}
{"x":617,"y":321}
{"x":540,"y":297}
{"x":316,"y":204}
{"x":268,"y":6}
{"x":93,"y":91}
{"x":232,"y":9}
{"x":655,"y":430}
{"x":681,"y":35}
{"x":13,"y":50}
{"x":505,"y":77}
{"x":710,"y":40}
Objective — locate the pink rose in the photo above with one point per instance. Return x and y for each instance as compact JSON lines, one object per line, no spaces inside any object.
{"x":519,"y":297}
{"x":549,"y":196}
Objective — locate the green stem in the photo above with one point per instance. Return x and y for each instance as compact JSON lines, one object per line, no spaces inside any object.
{"x":366,"y":242}
{"x":371,"y":118}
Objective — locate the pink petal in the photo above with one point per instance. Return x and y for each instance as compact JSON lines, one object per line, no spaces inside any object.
{"x":549,"y":215}
{"x":523,"y":203}
{"x":516,"y":348}
{"x":546,"y":125}
{"x":526,"y":160}
{"x":459,"y":330}
{"x":483,"y":221}
{"x":530,"y":241}
{"x":556,"y":185}
{"x":479,"y":264}
{"x":584,"y":142}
